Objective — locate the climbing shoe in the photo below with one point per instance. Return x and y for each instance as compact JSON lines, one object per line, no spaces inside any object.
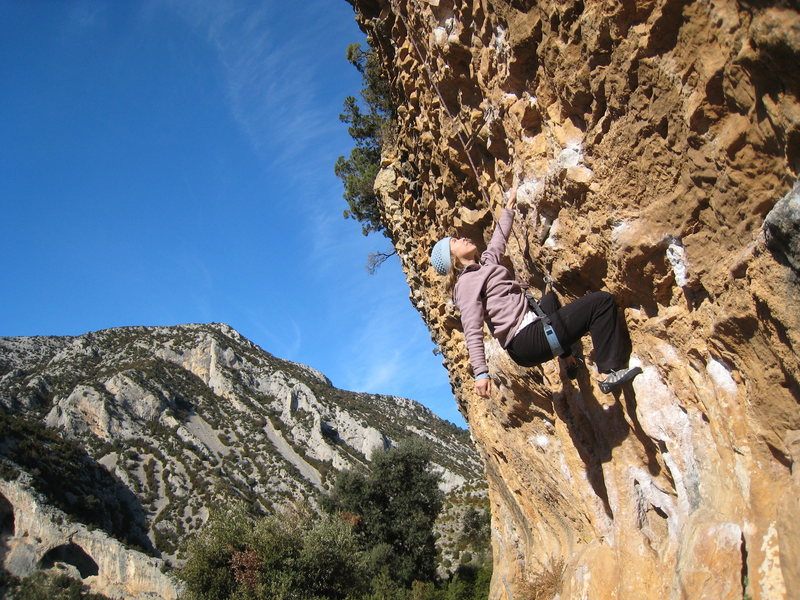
{"x":617,"y":378}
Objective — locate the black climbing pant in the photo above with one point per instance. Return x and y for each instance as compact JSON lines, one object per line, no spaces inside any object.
{"x":595,"y":313}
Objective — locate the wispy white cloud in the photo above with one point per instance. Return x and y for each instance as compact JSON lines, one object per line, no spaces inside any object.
{"x":334,"y":239}
{"x":269,"y":71}
{"x":329,"y":241}
{"x":200,"y":306}
{"x":282,"y":337}
{"x":87,"y":13}
{"x":360,"y":330}
{"x":389,"y":354}
{"x":385,"y":356}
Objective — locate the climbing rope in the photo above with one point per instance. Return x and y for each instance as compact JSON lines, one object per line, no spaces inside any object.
{"x":459,"y":126}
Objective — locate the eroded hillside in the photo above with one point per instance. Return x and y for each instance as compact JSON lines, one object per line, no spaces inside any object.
{"x":653,"y":139}
{"x":165,"y":424}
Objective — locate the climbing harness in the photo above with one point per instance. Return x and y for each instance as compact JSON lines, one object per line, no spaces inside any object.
{"x":547,"y":324}
{"x":549,"y":332}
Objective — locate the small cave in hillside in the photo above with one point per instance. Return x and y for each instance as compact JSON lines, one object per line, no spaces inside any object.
{"x":71,"y":554}
{"x":330,"y":433}
{"x":6,"y":518}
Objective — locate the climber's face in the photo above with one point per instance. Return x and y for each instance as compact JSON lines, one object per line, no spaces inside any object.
{"x":463,"y":250}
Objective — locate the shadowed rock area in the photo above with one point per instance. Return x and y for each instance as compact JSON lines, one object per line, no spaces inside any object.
{"x":652,"y":139}
{"x":70,"y":554}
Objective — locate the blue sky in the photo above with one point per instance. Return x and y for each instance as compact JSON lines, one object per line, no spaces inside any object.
{"x":171,"y":161}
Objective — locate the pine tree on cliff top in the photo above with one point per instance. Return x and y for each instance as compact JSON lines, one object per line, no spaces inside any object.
{"x":369,"y":124}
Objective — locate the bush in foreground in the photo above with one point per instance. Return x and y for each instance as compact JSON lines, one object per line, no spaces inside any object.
{"x":375,"y":543}
{"x":288,"y":555}
{"x":395,"y":506}
{"x":45,"y":585}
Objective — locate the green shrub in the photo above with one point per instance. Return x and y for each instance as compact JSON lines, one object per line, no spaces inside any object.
{"x":394,"y":508}
{"x":425,"y":591}
{"x":369,"y":128}
{"x":44,"y":585}
{"x":383,"y":587}
{"x":282,"y":556}
{"x":469,"y":583}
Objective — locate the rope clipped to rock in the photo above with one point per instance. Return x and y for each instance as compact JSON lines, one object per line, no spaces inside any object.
{"x":459,"y":126}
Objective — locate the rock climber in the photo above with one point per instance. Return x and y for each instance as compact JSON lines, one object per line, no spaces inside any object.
{"x":485,"y":290}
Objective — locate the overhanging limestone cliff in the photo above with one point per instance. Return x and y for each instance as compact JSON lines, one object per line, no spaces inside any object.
{"x":653,"y":138}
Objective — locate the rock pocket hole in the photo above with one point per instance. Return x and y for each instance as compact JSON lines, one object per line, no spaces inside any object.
{"x":6,"y":518}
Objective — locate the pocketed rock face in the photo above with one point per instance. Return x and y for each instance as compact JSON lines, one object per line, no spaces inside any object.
{"x":652,"y":139}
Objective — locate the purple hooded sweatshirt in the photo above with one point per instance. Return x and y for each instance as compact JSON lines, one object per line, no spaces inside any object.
{"x":488,"y":291}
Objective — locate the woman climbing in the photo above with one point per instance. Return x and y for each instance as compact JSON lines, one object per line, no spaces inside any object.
{"x":485,"y":290}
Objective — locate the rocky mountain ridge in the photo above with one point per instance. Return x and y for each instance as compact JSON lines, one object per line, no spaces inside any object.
{"x":657,"y":143}
{"x":191,"y":417}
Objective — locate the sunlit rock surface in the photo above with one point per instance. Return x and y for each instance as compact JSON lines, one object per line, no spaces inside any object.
{"x":652,"y":139}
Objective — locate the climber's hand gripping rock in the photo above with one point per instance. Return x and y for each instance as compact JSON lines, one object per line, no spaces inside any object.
{"x":483,"y":387}
{"x":512,"y":194}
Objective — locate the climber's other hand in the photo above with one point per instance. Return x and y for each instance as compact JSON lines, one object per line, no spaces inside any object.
{"x":483,"y":387}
